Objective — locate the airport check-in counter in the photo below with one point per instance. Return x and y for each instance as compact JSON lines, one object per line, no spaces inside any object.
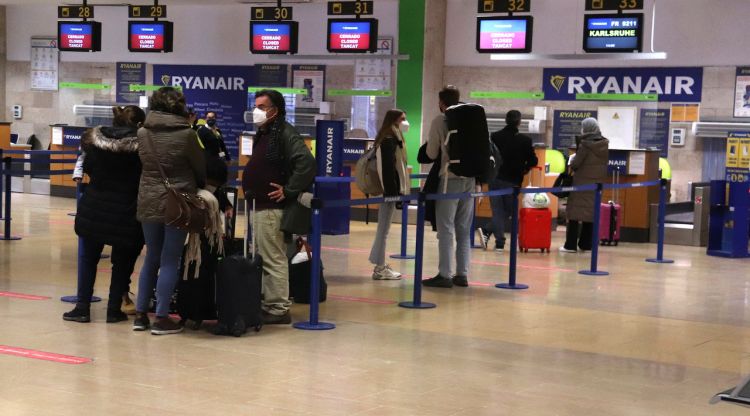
{"x":66,"y":138}
{"x":686,"y":223}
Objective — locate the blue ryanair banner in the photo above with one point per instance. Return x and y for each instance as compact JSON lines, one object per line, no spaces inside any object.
{"x":677,"y":84}
{"x":222,"y":89}
{"x":329,"y":147}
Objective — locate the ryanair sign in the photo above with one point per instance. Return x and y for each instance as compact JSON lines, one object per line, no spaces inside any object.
{"x":680,"y":84}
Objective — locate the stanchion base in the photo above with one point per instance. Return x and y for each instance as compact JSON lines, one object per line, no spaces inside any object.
{"x":71,"y":214}
{"x":74,"y":299}
{"x":11,"y":238}
{"x":517,"y":286}
{"x":662,"y":261}
{"x":420,"y":305}
{"x":400,"y":257}
{"x":309,"y":326}
{"x":592,"y":273}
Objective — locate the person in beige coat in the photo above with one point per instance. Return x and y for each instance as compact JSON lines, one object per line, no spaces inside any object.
{"x":589,"y":166}
{"x":393,"y":173}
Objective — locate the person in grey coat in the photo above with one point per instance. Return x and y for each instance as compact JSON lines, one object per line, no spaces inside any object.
{"x":589,"y":166}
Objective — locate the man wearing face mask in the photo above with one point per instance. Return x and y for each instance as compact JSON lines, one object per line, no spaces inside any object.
{"x":280,"y":169}
{"x":212,"y":138}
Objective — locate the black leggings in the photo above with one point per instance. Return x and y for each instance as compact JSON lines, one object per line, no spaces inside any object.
{"x":123,"y":263}
{"x":584,"y":238}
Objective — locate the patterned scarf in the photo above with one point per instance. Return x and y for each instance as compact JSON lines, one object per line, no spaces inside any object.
{"x":274,"y":153}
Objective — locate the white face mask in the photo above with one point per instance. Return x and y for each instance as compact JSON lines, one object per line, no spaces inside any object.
{"x":259,"y":116}
{"x":404,"y":126}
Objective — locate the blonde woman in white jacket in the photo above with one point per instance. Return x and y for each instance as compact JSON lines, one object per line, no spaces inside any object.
{"x":391,"y":162}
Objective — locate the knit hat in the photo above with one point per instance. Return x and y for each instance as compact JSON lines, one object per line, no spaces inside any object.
{"x":589,"y":126}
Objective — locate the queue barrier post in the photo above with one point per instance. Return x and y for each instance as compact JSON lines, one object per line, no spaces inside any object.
{"x":595,"y":236}
{"x":404,"y":233}
{"x":512,"y":285}
{"x":6,"y":220}
{"x":74,"y":298}
{"x":313,"y":324}
{"x":661,"y":214}
{"x":416,"y":302}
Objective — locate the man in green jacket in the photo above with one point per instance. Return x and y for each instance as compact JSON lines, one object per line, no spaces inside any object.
{"x":280,"y":169}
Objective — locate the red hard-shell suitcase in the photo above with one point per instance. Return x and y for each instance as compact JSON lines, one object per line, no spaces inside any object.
{"x":610,"y":216}
{"x":535,"y":229}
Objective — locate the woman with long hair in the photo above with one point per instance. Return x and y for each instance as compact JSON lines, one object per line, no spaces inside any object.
{"x":107,"y":210}
{"x":166,"y":139}
{"x":393,"y":173}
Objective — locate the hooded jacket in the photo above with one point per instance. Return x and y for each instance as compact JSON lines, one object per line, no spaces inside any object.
{"x":180,"y":153}
{"x":589,"y":166}
{"x":107,"y":210}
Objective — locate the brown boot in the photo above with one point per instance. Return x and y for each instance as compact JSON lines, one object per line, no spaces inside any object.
{"x":128,"y":307}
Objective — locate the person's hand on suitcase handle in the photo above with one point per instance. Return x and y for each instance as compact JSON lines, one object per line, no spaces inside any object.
{"x":278,"y":194}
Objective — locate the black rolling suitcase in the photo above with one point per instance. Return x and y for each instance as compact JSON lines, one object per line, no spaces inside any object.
{"x":238,"y":291}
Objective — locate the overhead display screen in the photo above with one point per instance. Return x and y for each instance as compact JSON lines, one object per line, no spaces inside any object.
{"x":273,"y":37}
{"x":352,"y":35}
{"x":79,"y":36}
{"x":149,"y":36}
{"x":613,"y":33}
{"x":504,"y":34}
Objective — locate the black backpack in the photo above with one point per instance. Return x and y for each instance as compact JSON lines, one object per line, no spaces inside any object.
{"x":468,"y":142}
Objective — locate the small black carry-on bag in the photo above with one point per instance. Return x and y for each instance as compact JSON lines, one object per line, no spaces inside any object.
{"x":300,"y":275}
{"x":238,"y":289}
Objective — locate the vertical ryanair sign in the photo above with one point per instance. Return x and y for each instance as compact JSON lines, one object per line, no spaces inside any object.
{"x":222,"y":89}
{"x":329,"y":147}
{"x":679,"y":84}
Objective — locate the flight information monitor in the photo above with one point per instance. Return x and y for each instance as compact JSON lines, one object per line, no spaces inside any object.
{"x":79,"y":36}
{"x":273,"y":37}
{"x":504,"y":34}
{"x":352,"y":35}
{"x":149,"y":36}
{"x":613,"y":33}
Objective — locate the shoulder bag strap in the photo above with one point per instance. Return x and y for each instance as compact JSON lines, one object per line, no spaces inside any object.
{"x":152,"y":149}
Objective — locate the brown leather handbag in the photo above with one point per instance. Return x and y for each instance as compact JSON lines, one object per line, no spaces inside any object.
{"x":184,"y":211}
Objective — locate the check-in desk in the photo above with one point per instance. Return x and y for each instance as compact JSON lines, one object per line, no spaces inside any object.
{"x":5,"y":135}
{"x":636,"y":165}
{"x":64,"y":138}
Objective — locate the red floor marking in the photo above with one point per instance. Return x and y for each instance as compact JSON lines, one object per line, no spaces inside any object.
{"x":23,"y":296}
{"x":362,"y":300}
{"x":41,"y":355}
{"x":348,"y":250}
{"x":521,"y":266}
{"x":486,"y":263}
{"x":483,"y":284}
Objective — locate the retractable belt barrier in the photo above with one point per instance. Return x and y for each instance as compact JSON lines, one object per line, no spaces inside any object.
{"x":416,"y":303}
{"x":8,"y":172}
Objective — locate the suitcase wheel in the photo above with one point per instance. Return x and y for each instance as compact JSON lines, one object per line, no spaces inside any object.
{"x":616,"y":243}
{"x":257,"y":328}
{"x":195,"y":325}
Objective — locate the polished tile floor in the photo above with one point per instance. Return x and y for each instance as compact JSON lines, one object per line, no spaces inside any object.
{"x":648,"y":340}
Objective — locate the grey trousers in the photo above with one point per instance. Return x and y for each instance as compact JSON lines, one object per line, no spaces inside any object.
{"x":454,"y":224}
{"x":385,"y":217}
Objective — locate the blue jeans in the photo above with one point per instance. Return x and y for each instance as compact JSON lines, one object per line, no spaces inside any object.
{"x":163,"y":254}
{"x":502,"y":207}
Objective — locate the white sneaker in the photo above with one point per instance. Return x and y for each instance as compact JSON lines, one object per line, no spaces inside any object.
{"x":565,"y":250}
{"x":483,"y":239}
{"x":385,"y":273}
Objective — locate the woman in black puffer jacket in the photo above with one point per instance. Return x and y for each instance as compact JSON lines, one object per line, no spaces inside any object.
{"x":107,"y":210}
